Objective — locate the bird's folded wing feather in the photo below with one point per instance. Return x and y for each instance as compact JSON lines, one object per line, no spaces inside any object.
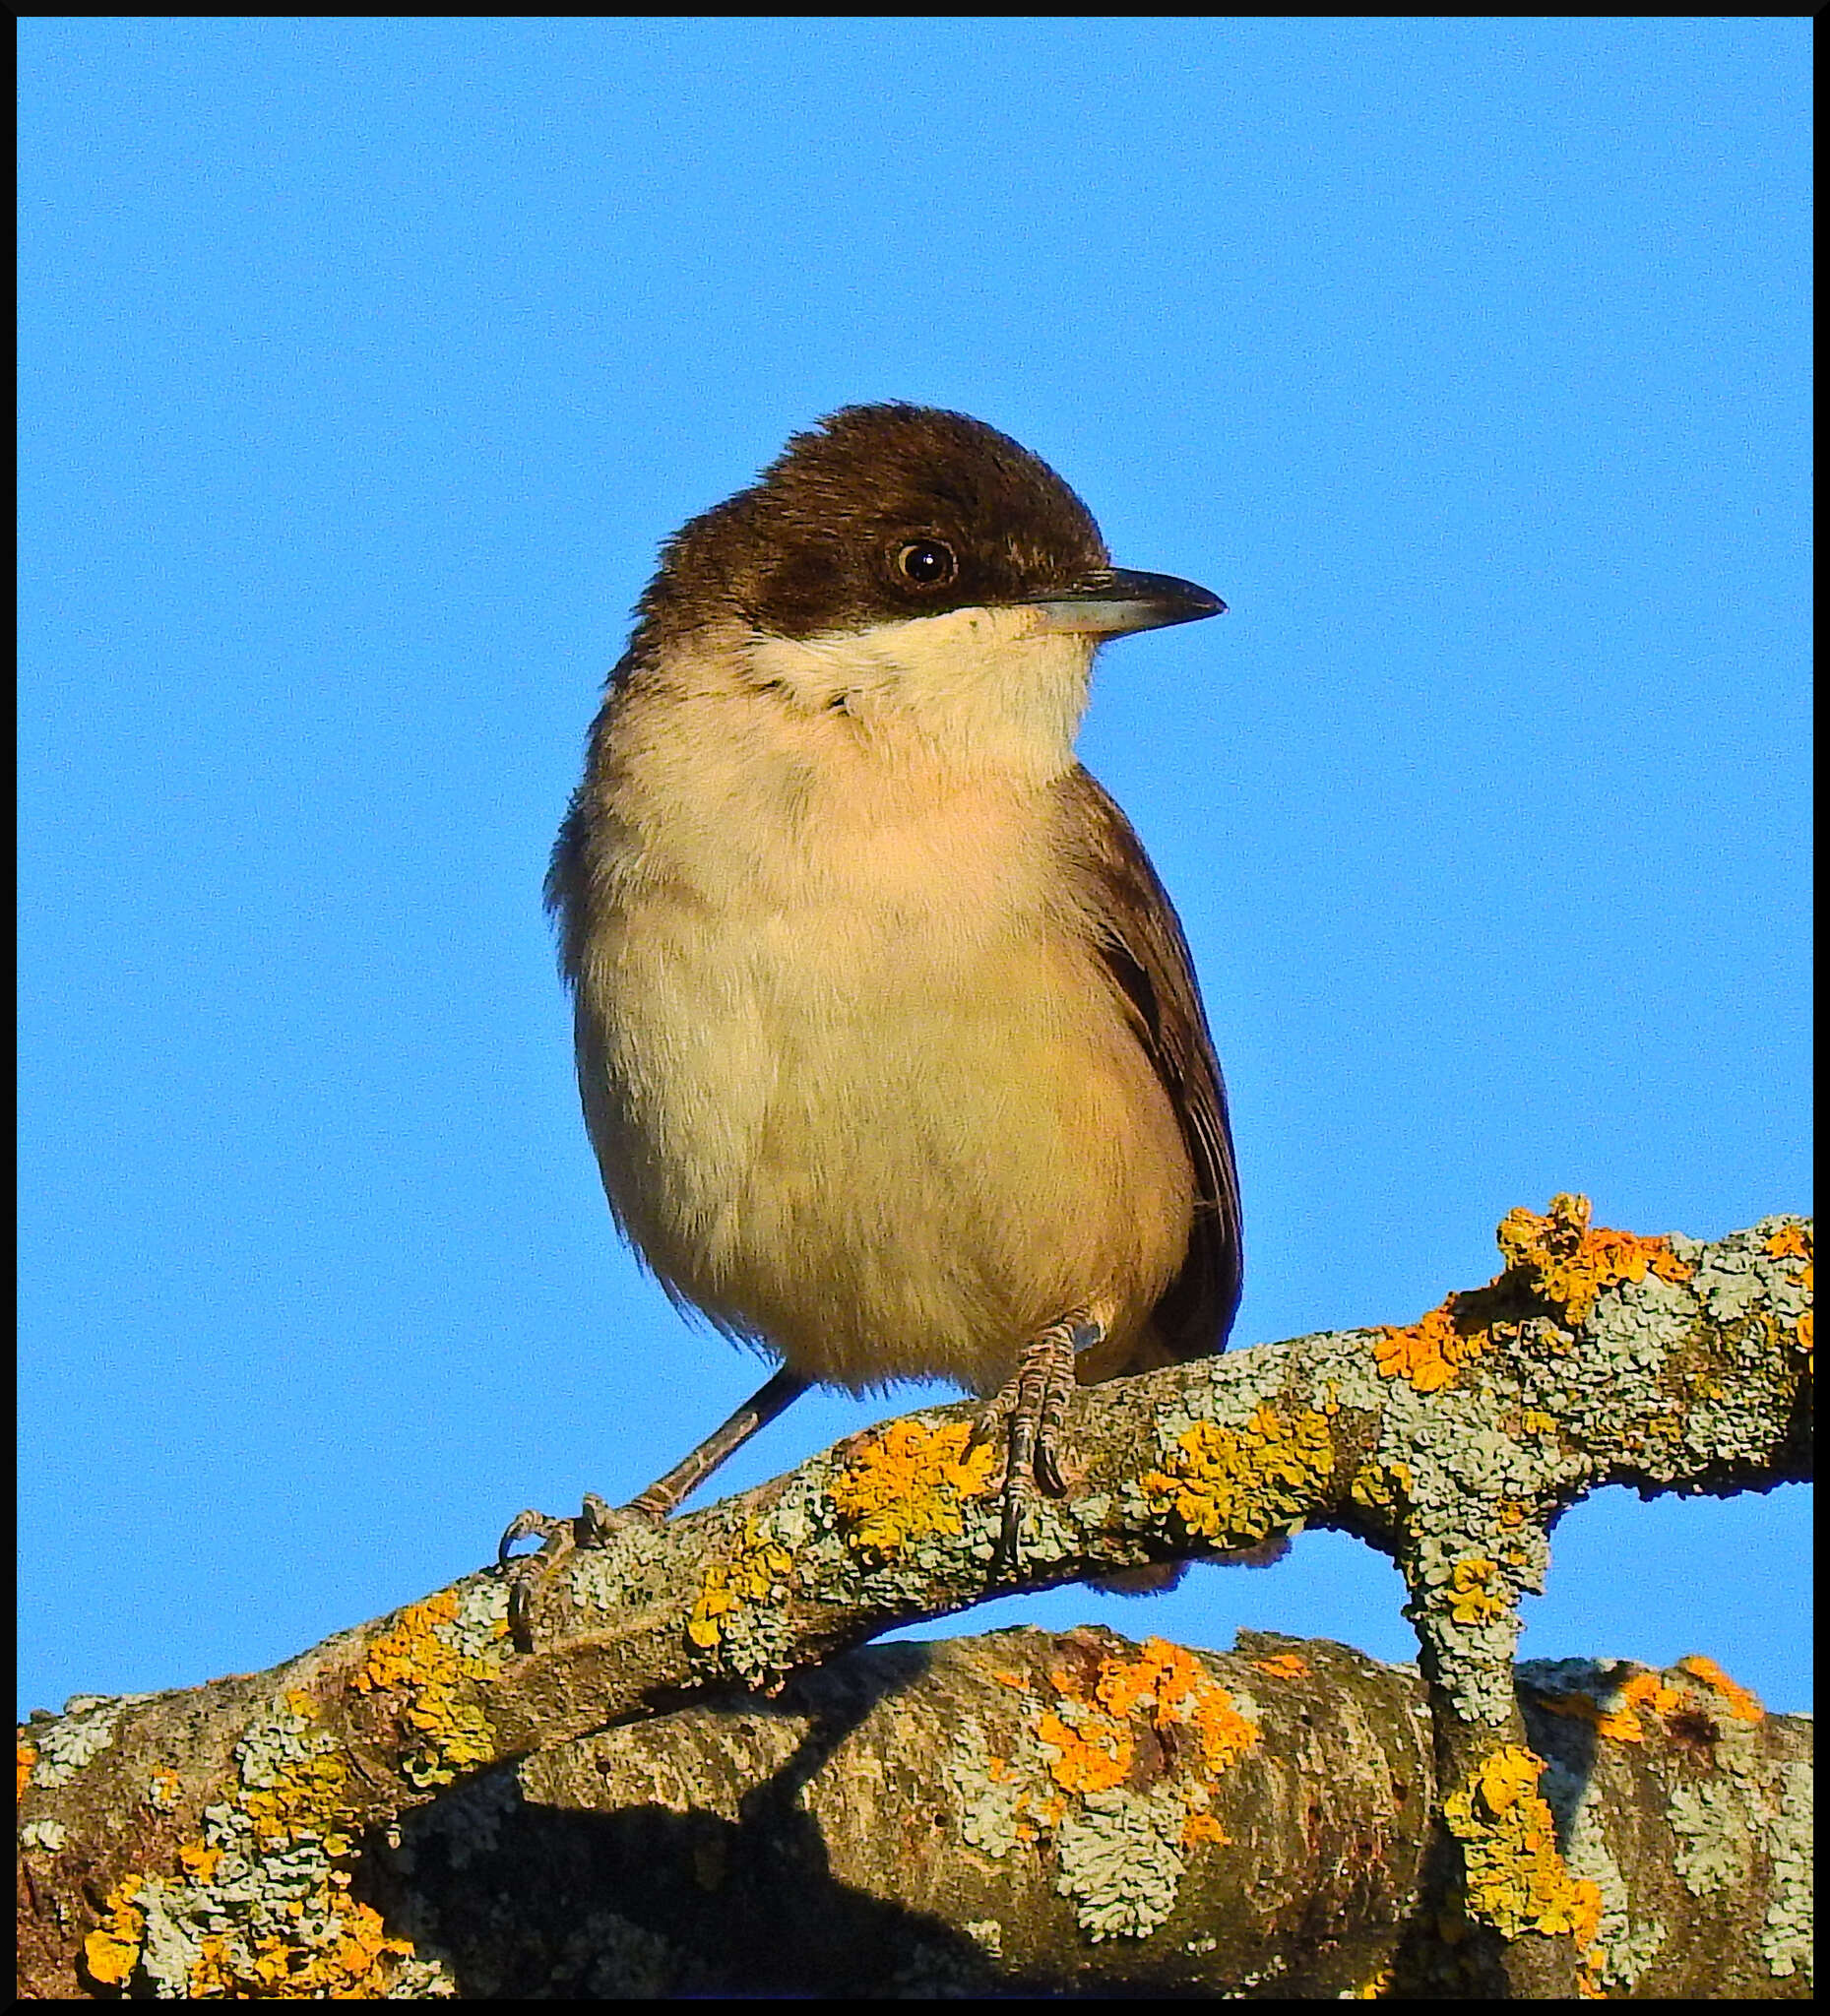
{"x":1141,"y":942}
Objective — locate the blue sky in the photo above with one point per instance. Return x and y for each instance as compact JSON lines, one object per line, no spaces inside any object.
{"x":366,"y":361}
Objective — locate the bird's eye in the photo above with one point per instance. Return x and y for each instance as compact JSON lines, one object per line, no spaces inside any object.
{"x":926,"y":563}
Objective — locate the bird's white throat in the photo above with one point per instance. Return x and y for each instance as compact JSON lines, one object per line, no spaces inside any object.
{"x":984,"y":691}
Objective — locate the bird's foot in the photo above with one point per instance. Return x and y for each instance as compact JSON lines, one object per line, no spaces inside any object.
{"x":596,"y":1524}
{"x":1027,"y":1415}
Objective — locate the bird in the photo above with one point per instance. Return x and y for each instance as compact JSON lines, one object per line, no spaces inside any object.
{"x":888,"y":1037}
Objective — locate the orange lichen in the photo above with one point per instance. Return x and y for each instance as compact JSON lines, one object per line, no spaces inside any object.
{"x":1618,"y":1717}
{"x":26,"y":1755}
{"x":760,"y":1566}
{"x":417,"y":1653}
{"x":212,"y":1974}
{"x":1129,"y":1749}
{"x":1179,"y":1691}
{"x":1242,"y":1485}
{"x":1378,"y":1487}
{"x":112,"y":1951}
{"x":303,"y":1797}
{"x":1224,"y":1733}
{"x":1506,"y":1777}
{"x":304,"y":1939}
{"x":1472,"y":1598}
{"x":353,"y":1968}
{"x":1572,"y":1262}
{"x":907,"y":1482}
{"x":1516,"y":1879}
{"x":1091,"y":1758}
{"x":1617,"y":1711}
{"x":354,"y":1960}
{"x":1287,"y":1665}
{"x":1091,"y":1727}
{"x":1739,"y":1701}
{"x":1795,"y":1242}
{"x":1569,"y":1264}
{"x":1429,"y":1351}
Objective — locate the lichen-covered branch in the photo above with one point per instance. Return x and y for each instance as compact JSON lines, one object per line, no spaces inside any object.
{"x":207,"y":1842}
{"x":1027,"y":1814}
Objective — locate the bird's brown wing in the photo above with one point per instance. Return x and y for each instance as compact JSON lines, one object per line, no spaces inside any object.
{"x":1140,"y":939}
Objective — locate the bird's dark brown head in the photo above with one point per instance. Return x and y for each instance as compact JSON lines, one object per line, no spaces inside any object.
{"x":879,"y":513}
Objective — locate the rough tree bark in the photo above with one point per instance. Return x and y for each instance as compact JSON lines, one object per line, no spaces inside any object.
{"x":702,"y":1778}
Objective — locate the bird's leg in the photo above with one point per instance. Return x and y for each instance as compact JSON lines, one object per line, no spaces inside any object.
{"x":1028,"y":1413}
{"x":663,"y":1496}
{"x":597,"y":1523}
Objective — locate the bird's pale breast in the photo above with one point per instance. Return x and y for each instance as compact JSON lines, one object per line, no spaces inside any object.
{"x":859,"y":1089}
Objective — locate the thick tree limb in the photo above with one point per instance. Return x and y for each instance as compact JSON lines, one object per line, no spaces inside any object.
{"x":977,"y":1817}
{"x":169,"y":1837}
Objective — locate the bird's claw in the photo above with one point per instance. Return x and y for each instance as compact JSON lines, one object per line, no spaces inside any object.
{"x":1028,"y":1413}
{"x":523,"y":1525}
{"x":594,"y":1525}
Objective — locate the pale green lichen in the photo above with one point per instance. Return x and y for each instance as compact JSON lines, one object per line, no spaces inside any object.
{"x":611,"y":1959}
{"x":632,"y":1563}
{"x":1471,"y":1538}
{"x":1465,"y":1560}
{"x":1623,"y":1949}
{"x":259,"y":1908}
{"x":1714,"y":1849}
{"x":1121,"y":1861}
{"x":1121,"y":1850}
{"x":993,"y":1799}
{"x":83,"y":1731}
{"x":1787,"y":1933}
{"x":465,"y":1821}
{"x":1722,"y":1823}
{"x":938,"y":1971}
{"x":1738,"y":1274}
{"x":987,"y":1935}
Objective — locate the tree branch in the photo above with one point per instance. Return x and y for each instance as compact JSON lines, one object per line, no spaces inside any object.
{"x":1452,"y":1444}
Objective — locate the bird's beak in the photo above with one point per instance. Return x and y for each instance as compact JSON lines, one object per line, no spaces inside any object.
{"x":1115,"y":599}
